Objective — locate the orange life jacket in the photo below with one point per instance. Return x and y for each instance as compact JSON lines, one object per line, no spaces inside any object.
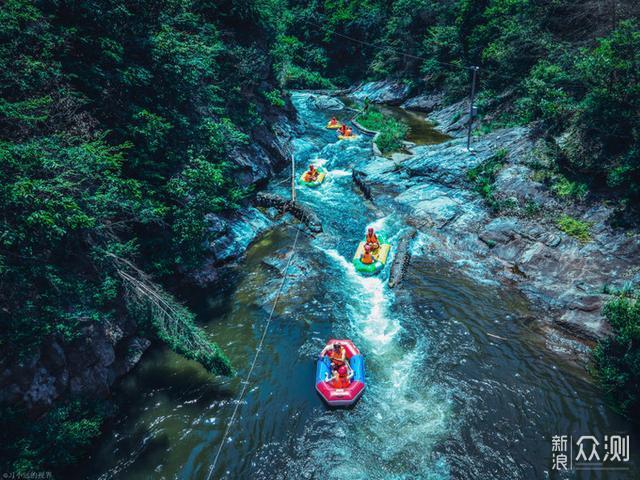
{"x":311,"y":175}
{"x":336,"y":357}
{"x":342,"y":381}
{"x":366,"y":258}
{"x":343,"y":130}
{"x":372,"y":239}
{"x":349,"y":132}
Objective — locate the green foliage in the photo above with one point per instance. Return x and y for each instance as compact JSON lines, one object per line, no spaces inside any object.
{"x":565,"y":188}
{"x":532,"y":209}
{"x":57,"y":439}
{"x":275,"y":98}
{"x":575,"y":228}
{"x":202,"y":187}
{"x":392,"y":131}
{"x":483,"y":177}
{"x":546,"y":94}
{"x":539,"y":62}
{"x":617,"y":358}
{"x":609,"y":114}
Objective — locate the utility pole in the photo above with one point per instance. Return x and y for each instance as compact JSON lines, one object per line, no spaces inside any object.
{"x":471,"y":107}
{"x":293,"y":178}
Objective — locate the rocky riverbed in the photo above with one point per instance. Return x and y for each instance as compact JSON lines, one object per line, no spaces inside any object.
{"x":519,"y":243}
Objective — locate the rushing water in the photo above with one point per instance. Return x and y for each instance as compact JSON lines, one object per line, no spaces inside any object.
{"x":458,"y":385}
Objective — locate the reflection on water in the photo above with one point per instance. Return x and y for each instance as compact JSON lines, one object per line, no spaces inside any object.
{"x":444,"y":399}
{"x":421,"y":132}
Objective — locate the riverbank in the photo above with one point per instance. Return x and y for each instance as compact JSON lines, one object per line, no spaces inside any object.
{"x":504,"y":225}
{"x":459,"y":384}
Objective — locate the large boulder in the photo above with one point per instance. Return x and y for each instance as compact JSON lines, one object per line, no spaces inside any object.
{"x":453,"y":119}
{"x":386,"y":91}
{"x":233,"y":233}
{"x":425,"y":103}
{"x":324,"y":102}
{"x":88,"y":365}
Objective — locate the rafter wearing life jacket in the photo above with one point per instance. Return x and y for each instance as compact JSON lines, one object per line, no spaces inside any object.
{"x":366,"y":257}
{"x":372,"y":240}
{"x":311,"y":174}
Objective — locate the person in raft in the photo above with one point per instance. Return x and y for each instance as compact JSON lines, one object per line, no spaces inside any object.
{"x":311,"y":174}
{"x":366,"y":257}
{"x":343,"y":130}
{"x":337,"y":354}
{"x":349,"y":132}
{"x":333,"y":121}
{"x":372,"y":240}
{"x":341,"y":377}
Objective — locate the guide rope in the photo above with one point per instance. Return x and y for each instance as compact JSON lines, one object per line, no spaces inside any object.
{"x":255,"y":359}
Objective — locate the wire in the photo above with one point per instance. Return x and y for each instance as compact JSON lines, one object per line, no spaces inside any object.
{"x":385,"y":47}
{"x":255,"y":359}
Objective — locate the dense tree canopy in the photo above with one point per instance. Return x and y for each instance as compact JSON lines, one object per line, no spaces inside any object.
{"x":118,"y":119}
{"x":571,"y":65}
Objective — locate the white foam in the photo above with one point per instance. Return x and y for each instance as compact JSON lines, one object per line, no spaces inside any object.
{"x":370,"y":319}
{"x":340,"y":173}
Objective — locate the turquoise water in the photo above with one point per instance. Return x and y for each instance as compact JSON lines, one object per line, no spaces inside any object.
{"x":445,"y":399}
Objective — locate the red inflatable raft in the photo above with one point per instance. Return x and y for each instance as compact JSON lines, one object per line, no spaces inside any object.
{"x":340,"y":397}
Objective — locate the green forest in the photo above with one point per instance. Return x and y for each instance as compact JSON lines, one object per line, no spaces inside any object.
{"x":118,"y":121}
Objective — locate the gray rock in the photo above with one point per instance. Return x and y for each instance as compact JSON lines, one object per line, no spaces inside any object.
{"x":452,"y":119}
{"x":42,"y":390}
{"x":425,"y":102}
{"x":243,"y":227}
{"x":325,"y":102}
{"x":499,"y":230}
{"x":134,"y":348}
{"x":386,"y":91}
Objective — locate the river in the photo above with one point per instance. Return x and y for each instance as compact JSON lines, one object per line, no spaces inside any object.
{"x":459,"y":383}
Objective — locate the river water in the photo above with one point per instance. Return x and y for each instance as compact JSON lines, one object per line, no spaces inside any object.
{"x":459,"y":384}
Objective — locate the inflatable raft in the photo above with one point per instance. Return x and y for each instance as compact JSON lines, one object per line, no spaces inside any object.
{"x":379,"y":255}
{"x":341,"y":397}
{"x":350,"y":137}
{"x":335,"y":126}
{"x":322,"y":173}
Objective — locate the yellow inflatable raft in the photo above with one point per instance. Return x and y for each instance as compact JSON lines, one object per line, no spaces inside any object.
{"x":379,"y":255}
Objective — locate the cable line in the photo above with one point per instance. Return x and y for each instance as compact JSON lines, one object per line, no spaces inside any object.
{"x":385,"y":47}
{"x":255,"y":359}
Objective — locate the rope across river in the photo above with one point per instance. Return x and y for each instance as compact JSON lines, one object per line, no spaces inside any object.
{"x":255,"y":359}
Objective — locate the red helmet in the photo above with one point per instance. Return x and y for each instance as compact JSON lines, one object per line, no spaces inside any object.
{"x":311,"y":167}
{"x":367,"y":248}
{"x":370,"y":230}
{"x":342,"y":370}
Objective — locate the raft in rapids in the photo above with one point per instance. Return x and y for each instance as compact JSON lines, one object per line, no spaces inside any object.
{"x":322,"y":173}
{"x":350,"y":137}
{"x":341,"y":397}
{"x":379,"y":255}
{"x":335,"y":126}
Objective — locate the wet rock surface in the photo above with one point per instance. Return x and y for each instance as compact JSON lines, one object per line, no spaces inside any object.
{"x":386,"y":91}
{"x":510,"y":245}
{"x":425,"y":102}
{"x":87,"y":365}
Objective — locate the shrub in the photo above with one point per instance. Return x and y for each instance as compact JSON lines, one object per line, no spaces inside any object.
{"x":275,"y":98}
{"x":392,"y":131}
{"x":565,"y":188}
{"x":298,"y":77}
{"x":575,"y":228}
{"x":59,"y":438}
{"x":617,"y":358}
